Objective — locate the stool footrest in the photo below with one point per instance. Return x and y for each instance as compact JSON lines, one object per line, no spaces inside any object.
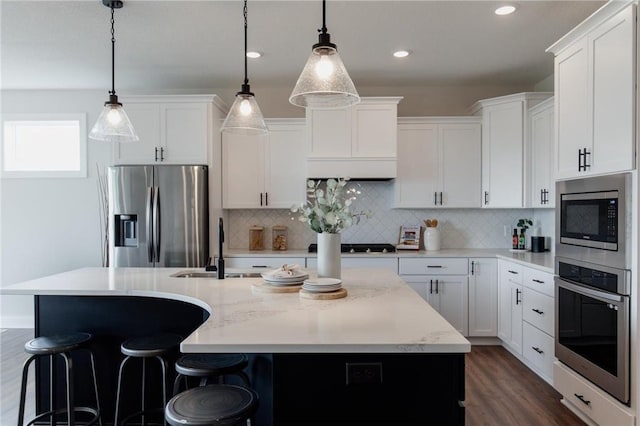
{"x":93,"y":411}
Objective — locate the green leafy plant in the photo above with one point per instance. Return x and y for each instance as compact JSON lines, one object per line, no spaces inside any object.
{"x":329,"y":210}
{"x":524,"y":223}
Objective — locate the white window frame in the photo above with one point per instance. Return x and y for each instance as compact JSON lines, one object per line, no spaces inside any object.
{"x":82,"y":120}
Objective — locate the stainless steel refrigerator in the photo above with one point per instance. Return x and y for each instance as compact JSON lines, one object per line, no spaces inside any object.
{"x":158,"y":216}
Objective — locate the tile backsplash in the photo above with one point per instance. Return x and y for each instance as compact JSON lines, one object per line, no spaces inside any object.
{"x":459,"y":228}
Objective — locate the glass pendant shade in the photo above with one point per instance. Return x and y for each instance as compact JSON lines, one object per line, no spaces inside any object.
{"x":113,"y":125}
{"x":245,"y":116}
{"x":324,"y":82}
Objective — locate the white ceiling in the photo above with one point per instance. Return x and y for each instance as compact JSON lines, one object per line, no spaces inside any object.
{"x":195,"y":45}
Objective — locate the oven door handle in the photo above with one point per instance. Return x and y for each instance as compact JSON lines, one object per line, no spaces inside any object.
{"x":602,"y":296}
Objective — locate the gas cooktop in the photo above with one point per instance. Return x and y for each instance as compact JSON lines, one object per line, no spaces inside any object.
{"x":360,"y":248}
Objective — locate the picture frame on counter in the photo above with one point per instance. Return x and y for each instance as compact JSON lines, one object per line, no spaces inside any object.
{"x":409,"y":238}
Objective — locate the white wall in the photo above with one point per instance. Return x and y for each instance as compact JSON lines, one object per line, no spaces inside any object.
{"x":49,"y":225}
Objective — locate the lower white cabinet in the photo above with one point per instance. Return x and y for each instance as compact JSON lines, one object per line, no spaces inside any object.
{"x":447,"y":294}
{"x":483,"y":297}
{"x":584,"y":398}
{"x":390,"y":263}
{"x":262,"y":262}
{"x":537,"y":350}
{"x":510,"y":305}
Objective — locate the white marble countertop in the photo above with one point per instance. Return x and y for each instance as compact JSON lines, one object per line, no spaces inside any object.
{"x":543,"y":261}
{"x":380,"y":314}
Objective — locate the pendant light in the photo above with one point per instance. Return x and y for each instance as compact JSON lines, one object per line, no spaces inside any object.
{"x":324,"y":82}
{"x":113,"y":124}
{"x":245,"y":116}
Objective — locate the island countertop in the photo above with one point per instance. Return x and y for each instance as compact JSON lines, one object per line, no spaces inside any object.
{"x":380,"y":314}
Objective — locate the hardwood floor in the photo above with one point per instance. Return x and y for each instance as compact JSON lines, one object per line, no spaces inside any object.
{"x":500,"y":390}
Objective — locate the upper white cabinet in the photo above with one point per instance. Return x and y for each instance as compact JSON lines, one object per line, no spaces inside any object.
{"x":504,"y":134}
{"x":595,"y":72}
{"x":265,"y":171}
{"x":541,"y":136}
{"x":438,"y":162}
{"x":172,"y":129}
{"x":357,"y":142}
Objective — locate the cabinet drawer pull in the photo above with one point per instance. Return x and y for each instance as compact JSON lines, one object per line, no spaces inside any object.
{"x":437,"y":288}
{"x":513,"y":272}
{"x":518,"y":293}
{"x":156,"y":156}
{"x":540,"y":351}
{"x":435,"y":198}
{"x":440,"y":197}
{"x":473,"y":267}
{"x":261,"y":199}
{"x":538,"y":281}
{"x":537,"y":311}
{"x":266,"y":198}
{"x":581,"y":398}
{"x":486,"y":196}
{"x":161,"y":154}
{"x":434,"y":266}
{"x":430,"y":286}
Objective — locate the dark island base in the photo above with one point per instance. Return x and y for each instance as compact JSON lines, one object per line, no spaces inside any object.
{"x":294,"y":388}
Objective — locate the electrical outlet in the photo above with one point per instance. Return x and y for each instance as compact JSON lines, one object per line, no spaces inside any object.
{"x":361,"y":373}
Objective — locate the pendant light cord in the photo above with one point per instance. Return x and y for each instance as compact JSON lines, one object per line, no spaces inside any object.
{"x":324,"y":13}
{"x":113,"y":55}
{"x":246,"y":78}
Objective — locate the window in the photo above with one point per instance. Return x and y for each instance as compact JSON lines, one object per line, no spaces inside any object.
{"x":44,"y":145}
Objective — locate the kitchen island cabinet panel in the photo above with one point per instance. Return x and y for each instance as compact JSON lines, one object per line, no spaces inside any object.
{"x":390,"y":263}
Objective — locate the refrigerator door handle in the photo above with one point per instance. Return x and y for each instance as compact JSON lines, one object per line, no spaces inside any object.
{"x":156,"y":223}
{"x":147,"y":204}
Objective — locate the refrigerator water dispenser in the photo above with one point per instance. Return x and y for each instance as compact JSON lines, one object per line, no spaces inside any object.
{"x":126,"y":230}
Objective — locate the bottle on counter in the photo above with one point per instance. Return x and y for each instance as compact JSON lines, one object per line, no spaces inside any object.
{"x":514,"y":239}
{"x":521,"y":240}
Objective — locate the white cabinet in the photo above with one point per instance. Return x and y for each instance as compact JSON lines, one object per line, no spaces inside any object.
{"x":483,"y":297}
{"x":443,"y":282}
{"x":541,"y":130}
{"x":438,"y":163}
{"x":357,"y":142}
{"x":595,"y":99}
{"x":504,"y":131}
{"x":510,"y":305}
{"x":263,"y":262}
{"x":172,"y":130}
{"x":264,"y":171}
{"x":390,"y":263}
{"x":447,"y":294}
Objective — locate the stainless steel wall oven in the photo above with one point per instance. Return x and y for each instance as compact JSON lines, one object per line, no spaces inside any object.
{"x":592,"y":323}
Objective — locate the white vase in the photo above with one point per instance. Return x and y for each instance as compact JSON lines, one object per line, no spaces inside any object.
{"x":432,"y":239}
{"x":329,"y":255}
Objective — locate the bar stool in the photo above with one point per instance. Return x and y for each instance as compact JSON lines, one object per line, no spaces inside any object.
{"x":143,"y":348}
{"x":63,"y":345}
{"x":208,"y":366}
{"x":212,"y":405}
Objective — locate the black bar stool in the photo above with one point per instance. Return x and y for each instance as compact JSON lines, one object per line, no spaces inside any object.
{"x":212,"y":405}
{"x":210,"y":366}
{"x":62,"y":345}
{"x":146,"y":347}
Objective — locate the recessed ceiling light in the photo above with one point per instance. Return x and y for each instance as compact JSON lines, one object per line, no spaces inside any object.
{"x":505,"y":10}
{"x":401,"y":53}
{"x":254,"y":55}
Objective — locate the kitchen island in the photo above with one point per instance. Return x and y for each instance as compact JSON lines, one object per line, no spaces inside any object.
{"x":381,"y":355}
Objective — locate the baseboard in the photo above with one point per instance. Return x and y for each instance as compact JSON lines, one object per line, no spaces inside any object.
{"x":484,"y":341}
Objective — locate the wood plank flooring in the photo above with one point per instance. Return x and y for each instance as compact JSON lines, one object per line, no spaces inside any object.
{"x":500,"y":390}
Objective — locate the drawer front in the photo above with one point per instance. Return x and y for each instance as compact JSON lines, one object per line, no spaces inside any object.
{"x":601,"y":408}
{"x":262,"y":262}
{"x":537,"y":348}
{"x":538,"y":310}
{"x":434,"y":266}
{"x":539,"y":281}
{"x":390,"y":263}
{"x":510,"y":272}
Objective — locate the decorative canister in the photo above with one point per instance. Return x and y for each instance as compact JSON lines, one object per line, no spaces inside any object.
{"x":256,"y":238}
{"x":279,"y":237}
{"x":431,"y":235}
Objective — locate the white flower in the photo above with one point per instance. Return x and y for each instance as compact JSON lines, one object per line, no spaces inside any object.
{"x":328,"y":210}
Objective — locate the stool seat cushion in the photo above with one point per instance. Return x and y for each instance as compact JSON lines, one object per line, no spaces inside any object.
{"x":204,"y":365}
{"x":47,"y":345}
{"x":211,"y":405}
{"x":149,"y":346}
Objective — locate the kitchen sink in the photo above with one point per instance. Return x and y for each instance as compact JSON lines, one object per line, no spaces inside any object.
{"x":229,"y":273}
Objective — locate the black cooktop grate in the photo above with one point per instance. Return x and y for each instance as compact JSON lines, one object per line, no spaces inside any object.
{"x":360,"y":248}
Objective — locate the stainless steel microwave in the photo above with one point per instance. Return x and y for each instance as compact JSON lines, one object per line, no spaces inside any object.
{"x":593,"y":220}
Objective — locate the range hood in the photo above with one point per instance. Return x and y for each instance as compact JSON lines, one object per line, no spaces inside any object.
{"x":359,"y":142}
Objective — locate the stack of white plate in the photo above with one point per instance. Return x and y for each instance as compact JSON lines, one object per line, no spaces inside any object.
{"x":296,"y":278}
{"x":322,"y":285}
